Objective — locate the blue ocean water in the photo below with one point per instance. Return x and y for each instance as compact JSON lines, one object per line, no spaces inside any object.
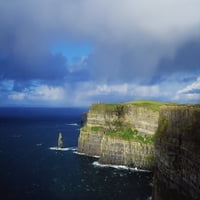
{"x":29,"y":170}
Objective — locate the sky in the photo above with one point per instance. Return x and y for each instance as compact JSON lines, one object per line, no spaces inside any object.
{"x":78,"y":52}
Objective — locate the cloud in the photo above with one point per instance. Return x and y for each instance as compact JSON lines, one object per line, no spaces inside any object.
{"x":89,"y":92}
{"x":191,"y":93}
{"x":125,"y":90}
{"x":133,"y":35}
{"x":41,"y":92}
{"x":190,"y":88}
{"x":138,"y":45}
{"x":17,"y":96}
{"x":45,"y":67}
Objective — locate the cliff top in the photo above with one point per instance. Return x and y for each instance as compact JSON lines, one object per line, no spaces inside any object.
{"x":149,"y":104}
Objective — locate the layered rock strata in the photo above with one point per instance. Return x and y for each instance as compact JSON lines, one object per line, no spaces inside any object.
{"x":143,"y":119}
{"x":177,"y":150}
{"x":123,"y":152}
{"x":101,"y":119}
{"x":175,"y":153}
{"x":89,"y":142}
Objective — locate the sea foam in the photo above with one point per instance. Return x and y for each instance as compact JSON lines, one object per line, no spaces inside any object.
{"x":63,"y":149}
{"x":72,"y":124}
{"x":97,"y":164}
{"x":83,"y":154}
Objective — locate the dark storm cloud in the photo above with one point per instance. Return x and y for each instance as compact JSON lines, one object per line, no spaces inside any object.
{"x":33,"y":67}
{"x":186,"y":58}
{"x":24,"y":44}
{"x":130,"y":38}
{"x":136,"y":42}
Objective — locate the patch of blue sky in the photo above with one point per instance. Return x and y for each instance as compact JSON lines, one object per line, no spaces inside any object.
{"x":74,"y":52}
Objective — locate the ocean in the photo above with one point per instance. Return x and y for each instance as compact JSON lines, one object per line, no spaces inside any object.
{"x":31,"y":168}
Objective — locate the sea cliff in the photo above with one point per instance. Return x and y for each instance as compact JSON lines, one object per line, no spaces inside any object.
{"x":150,"y":135}
{"x":121,"y":134}
{"x":177,"y":152}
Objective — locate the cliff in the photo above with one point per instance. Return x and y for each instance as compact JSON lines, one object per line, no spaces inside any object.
{"x":177,"y":151}
{"x":149,"y":135}
{"x":126,"y":152}
{"x":121,"y":134}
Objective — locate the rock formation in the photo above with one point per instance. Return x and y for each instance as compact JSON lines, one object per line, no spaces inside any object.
{"x":120,"y":134}
{"x":177,"y":151}
{"x":149,"y":135}
{"x":60,"y":141}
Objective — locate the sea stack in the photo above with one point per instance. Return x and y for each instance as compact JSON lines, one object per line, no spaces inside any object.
{"x":60,"y":141}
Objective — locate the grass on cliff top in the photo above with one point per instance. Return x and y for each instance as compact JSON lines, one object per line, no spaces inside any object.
{"x":130,"y":134}
{"x":104,"y":107}
{"x":149,"y":104}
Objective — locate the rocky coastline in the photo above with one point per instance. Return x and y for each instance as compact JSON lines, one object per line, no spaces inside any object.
{"x":161,"y":137}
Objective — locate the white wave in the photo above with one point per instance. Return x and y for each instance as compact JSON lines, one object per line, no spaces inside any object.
{"x":73,"y":148}
{"x":72,"y":124}
{"x":39,"y":144}
{"x":63,"y":149}
{"x":84,"y":154}
{"x":97,"y":164}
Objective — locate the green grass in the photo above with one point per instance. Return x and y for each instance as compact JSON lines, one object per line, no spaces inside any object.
{"x":118,"y":109}
{"x":130,"y":134}
{"x":121,"y":108}
{"x":103,"y":107}
{"x":97,"y":128}
{"x":93,"y":128}
{"x":149,"y":104}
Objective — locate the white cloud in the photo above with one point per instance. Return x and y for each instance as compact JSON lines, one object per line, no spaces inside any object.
{"x":17,"y":96}
{"x":191,"y":93}
{"x":40,"y":93}
{"x":44,"y":92}
{"x":190,"y":88}
{"x":130,"y":90}
{"x":91,"y":92}
{"x":86,"y":93}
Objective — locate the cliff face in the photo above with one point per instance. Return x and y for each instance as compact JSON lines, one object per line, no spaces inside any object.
{"x":102,"y":119}
{"x":177,"y":150}
{"x":89,"y":142}
{"x":143,"y":119}
{"x":130,"y":153}
{"x":120,"y":134}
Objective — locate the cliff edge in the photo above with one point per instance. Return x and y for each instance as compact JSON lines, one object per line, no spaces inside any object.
{"x":149,"y":135}
{"x":121,"y":134}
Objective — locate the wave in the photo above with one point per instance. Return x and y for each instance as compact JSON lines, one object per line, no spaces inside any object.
{"x":97,"y":164}
{"x":63,"y":149}
{"x":84,"y":154}
{"x":72,"y":124}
